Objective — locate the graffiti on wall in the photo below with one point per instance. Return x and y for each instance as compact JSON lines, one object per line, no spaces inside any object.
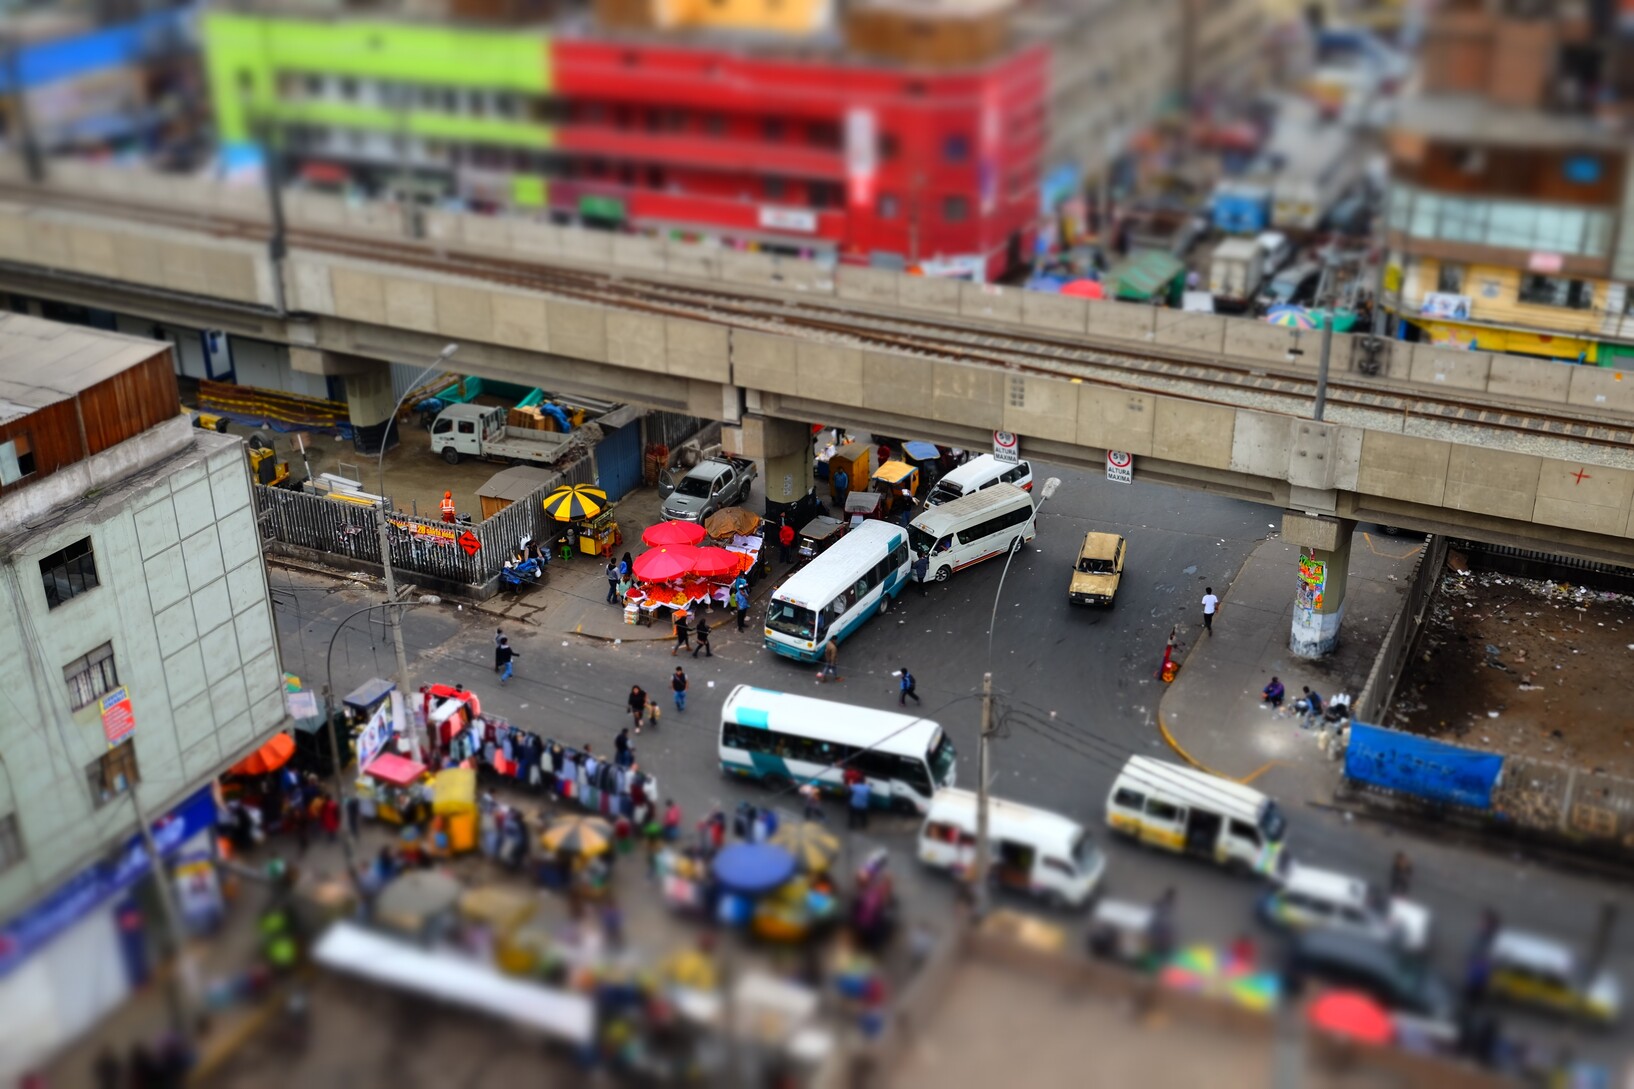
{"x":1313,"y":583}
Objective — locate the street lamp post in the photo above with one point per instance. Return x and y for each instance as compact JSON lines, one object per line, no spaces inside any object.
{"x":982,"y":774}
{"x":394,"y":620}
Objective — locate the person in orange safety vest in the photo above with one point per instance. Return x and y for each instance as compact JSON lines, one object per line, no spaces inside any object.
{"x":448,"y":506}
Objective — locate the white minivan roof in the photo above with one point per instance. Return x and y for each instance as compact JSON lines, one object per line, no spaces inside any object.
{"x":1177,"y":781}
{"x":974,"y":471}
{"x":939,"y":521}
{"x":1007,"y":820}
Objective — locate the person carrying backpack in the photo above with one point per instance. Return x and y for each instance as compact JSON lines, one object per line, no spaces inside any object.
{"x":908,"y":684}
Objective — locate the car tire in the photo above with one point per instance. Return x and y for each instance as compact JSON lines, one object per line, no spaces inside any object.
{"x":943,"y":572}
{"x":451,"y":455}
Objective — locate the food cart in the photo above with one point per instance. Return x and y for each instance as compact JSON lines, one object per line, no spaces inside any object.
{"x":598,"y":536}
{"x":855,"y":460}
{"x":817,"y":534}
{"x":898,"y":482}
{"x":391,"y":787}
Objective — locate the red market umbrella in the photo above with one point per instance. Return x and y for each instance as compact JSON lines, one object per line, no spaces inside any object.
{"x":717,"y":562}
{"x":268,"y":758}
{"x":1084,"y":289}
{"x":673,"y":533}
{"x":665,"y":563}
{"x":1352,"y":1015}
{"x":394,"y":769}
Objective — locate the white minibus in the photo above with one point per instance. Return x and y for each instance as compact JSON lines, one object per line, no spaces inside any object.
{"x":831,"y":596}
{"x":1192,"y":812}
{"x":1031,"y":850}
{"x":781,"y":739}
{"x":978,"y":473}
{"x":971,"y":529}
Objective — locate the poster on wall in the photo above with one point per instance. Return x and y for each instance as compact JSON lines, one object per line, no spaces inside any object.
{"x":1441,"y":304}
{"x":1313,"y":583}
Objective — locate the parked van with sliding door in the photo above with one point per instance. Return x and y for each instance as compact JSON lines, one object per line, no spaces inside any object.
{"x":972,"y":529}
{"x":1031,"y":850}
{"x":1190,"y":812}
{"x":978,"y":473}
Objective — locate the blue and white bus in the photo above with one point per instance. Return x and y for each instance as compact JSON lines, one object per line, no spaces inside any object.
{"x":833,"y":594}
{"x":782,"y":739}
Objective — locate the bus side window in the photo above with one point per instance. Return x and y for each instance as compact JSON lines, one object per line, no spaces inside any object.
{"x":943,"y":833}
{"x":1245,"y":832}
{"x":1162,"y":811}
{"x":911,"y":770}
{"x":1129,"y":799}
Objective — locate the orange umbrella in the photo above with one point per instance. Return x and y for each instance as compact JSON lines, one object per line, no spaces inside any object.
{"x":268,"y":758}
{"x":1352,"y":1015}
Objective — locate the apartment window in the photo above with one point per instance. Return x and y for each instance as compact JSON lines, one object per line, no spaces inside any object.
{"x":505,"y":105}
{"x":715,"y":124}
{"x":89,"y":677}
{"x":314,"y":86}
{"x":822,"y":195}
{"x":775,"y":188}
{"x":428,"y":98}
{"x":11,"y":842}
{"x":955,"y":209}
{"x":112,"y":773}
{"x":955,"y":147}
{"x":479,"y":104}
{"x":1449,"y":279}
{"x":889,"y":146}
{"x":16,"y":459}
{"x":886,"y":206}
{"x":68,"y":573}
{"x":773,"y":128}
{"x":348,"y":88}
{"x":1557,"y":291}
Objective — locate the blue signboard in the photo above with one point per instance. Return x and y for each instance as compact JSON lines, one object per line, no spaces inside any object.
{"x":40,"y":63}
{"x":1432,"y":770}
{"x":23,"y":934}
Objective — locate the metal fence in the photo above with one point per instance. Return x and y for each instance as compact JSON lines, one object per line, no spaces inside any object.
{"x":1373,"y":703}
{"x":419,"y":545}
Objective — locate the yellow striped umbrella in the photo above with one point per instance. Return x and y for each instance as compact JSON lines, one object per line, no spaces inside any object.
{"x":572,"y":502}
{"x":813,"y":846}
{"x":578,"y":835}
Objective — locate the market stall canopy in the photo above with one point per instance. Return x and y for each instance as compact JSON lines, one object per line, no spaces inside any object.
{"x":921,"y":451}
{"x":578,"y":835}
{"x":453,"y":791}
{"x":394,"y":769}
{"x":673,"y":533}
{"x":1291,"y":317}
{"x":731,"y":522}
{"x":1352,"y":1015}
{"x":894,"y":472}
{"x":268,"y":758}
{"x":752,"y":869}
{"x":575,"y":502}
{"x":713,"y":563}
{"x":415,"y":897}
{"x":663,"y":564}
{"x":1149,"y":274}
{"x":1084,"y":289}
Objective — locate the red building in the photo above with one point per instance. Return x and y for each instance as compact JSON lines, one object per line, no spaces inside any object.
{"x":867,"y":160}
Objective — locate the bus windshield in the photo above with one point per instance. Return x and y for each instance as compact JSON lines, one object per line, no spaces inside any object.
{"x":1272,"y":823}
{"x":941,"y":758}
{"x":787,"y":618}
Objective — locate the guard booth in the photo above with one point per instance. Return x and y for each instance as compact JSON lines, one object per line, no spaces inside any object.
{"x":855,"y":459}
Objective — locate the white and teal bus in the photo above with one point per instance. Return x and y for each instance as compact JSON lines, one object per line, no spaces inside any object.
{"x":834,"y":593}
{"x":781,"y":739}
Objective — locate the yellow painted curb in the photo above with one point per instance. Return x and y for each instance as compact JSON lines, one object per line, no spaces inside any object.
{"x":1168,"y":739}
{"x":246,"y":1027}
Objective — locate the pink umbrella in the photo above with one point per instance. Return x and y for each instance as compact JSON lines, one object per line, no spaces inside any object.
{"x":1084,"y":289}
{"x":665,"y":563}
{"x":717,"y":562}
{"x":673,"y":533}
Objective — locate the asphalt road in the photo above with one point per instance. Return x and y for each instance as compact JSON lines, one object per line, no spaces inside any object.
{"x":1076,"y":695}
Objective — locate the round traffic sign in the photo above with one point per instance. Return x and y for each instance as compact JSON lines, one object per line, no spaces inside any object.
{"x":1119,"y":459}
{"x":1005,"y":439}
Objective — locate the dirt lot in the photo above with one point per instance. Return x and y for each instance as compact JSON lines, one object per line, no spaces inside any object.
{"x":1525,"y":666}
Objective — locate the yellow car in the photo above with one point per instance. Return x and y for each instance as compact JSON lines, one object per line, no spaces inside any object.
{"x":1098,"y":570}
{"x":1532,"y":970}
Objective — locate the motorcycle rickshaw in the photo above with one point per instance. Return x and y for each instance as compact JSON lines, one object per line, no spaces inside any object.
{"x":817,"y":534}
{"x":898,"y":482}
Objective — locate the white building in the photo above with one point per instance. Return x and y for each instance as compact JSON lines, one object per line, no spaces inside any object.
{"x":130,"y":565}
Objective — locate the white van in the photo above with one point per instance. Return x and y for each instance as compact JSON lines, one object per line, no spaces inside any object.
{"x":972,"y":529}
{"x":1031,"y":850}
{"x":1191,"y":812}
{"x":978,"y":473}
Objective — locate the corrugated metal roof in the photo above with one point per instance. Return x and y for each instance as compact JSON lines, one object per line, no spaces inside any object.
{"x":43,"y":362}
{"x":517,"y":482}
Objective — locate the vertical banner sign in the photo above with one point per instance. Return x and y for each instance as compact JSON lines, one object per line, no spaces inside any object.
{"x":1006,"y":447}
{"x":1120,"y":467}
{"x":861,"y":156}
{"x":118,"y":723}
{"x":375,"y":735}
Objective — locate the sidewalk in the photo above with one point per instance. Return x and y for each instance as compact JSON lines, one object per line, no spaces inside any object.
{"x":1212,"y":715}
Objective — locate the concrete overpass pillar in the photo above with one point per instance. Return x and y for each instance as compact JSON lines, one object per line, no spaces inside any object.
{"x":369,"y":396}
{"x":1324,"y":571}
{"x":782,"y":452}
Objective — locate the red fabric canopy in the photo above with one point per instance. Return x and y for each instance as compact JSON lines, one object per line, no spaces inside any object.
{"x":663,"y":564}
{"x":673,"y":533}
{"x":1348,"y":1013}
{"x":1084,"y":289}
{"x":268,"y":758}
{"x":394,"y":769}
{"x":718,"y":562}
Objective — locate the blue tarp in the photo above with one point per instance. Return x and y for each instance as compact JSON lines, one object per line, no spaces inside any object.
{"x":753,"y":869}
{"x":1432,"y":770}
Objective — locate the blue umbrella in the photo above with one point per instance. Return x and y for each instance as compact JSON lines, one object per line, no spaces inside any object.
{"x":921,"y":451}
{"x":753,"y":869}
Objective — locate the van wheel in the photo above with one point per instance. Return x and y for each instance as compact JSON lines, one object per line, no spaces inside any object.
{"x":451,"y":455}
{"x":942,"y":573}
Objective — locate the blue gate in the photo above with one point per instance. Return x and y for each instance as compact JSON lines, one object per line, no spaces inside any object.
{"x":618,"y":460}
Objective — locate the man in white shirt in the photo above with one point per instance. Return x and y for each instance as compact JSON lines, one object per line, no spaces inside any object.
{"x":1210,"y":603}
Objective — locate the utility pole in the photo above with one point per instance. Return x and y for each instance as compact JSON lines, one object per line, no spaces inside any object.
{"x":981,"y":795}
{"x":1325,"y":293}
{"x":179,"y":987}
{"x":395,"y":619}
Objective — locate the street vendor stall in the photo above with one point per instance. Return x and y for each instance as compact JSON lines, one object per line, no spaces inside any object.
{"x":817,"y":534}
{"x":590,"y":519}
{"x":390,"y":788}
{"x":854,"y":459}
{"x":898,"y":482}
{"x":861,"y":505}
{"x":454,"y":810}
{"x":674,"y":577}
